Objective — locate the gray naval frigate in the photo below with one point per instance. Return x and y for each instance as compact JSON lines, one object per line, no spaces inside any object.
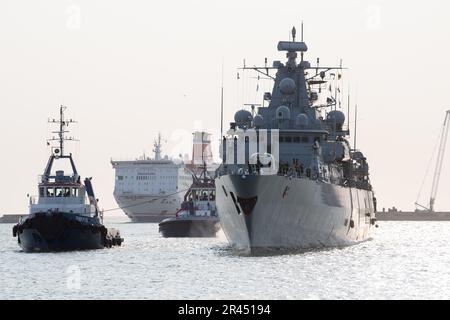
{"x":289,"y":177}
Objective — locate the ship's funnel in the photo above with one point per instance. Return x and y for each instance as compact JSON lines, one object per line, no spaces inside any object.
{"x":201,"y":148}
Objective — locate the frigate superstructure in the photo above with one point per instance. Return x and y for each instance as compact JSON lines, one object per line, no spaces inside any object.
{"x":289,"y":176}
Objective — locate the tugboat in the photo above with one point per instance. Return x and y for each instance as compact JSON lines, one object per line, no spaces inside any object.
{"x":197,"y":217}
{"x":66,"y":215}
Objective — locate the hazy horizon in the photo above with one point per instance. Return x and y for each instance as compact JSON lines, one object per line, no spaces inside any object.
{"x":128,"y":70}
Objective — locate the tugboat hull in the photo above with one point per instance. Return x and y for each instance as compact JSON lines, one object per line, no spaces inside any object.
{"x":194,"y":228}
{"x":46,"y":232}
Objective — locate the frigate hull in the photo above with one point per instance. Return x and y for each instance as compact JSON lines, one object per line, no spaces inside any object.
{"x":258,"y":212}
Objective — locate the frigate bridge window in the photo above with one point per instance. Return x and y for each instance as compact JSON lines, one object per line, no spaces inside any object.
{"x":41,"y":192}
{"x":296,"y":139}
{"x":305,"y":139}
{"x":74,"y":192}
{"x":288,"y":139}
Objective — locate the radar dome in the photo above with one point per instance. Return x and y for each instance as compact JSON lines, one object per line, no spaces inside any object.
{"x":258,"y":121}
{"x":337,"y":117}
{"x":243,"y":118}
{"x":283,"y":113}
{"x":287,"y":86}
{"x":302,"y":120}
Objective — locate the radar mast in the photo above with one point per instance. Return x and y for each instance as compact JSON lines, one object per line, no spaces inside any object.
{"x":157,"y":150}
{"x":63,"y":125}
{"x":58,"y":152}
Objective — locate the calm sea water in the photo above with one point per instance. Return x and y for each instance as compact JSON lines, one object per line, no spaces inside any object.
{"x":402,"y":260}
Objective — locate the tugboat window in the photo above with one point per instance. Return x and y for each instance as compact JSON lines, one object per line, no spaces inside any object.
{"x":50,"y":192}
{"x":58,"y":192}
{"x":66,"y":192}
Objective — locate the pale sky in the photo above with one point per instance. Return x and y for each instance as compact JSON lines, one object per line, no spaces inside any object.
{"x":128,"y":69}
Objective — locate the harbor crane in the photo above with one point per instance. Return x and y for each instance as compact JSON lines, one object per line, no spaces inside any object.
{"x":439,"y":163}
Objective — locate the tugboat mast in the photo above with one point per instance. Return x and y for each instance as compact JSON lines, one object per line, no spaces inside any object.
{"x":63,"y":124}
{"x":58,"y":153}
{"x":61,"y":129}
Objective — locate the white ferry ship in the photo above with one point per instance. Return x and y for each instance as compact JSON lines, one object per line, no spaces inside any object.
{"x":151,"y":190}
